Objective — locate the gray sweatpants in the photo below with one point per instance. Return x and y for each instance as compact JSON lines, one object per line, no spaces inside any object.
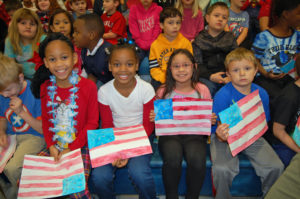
{"x":225,"y":167}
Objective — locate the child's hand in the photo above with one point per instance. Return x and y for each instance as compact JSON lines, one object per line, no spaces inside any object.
{"x":3,"y":140}
{"x":213,"y":119}
{"x":274,"y":76}
{"x":218,"y":77}
{"x":54,"y":152}
{"x":16,"y":105}
{"x":63,"y":152}
{"x":120,"y":163}
{"x":222,"y":132}
{"x":152,"y":116}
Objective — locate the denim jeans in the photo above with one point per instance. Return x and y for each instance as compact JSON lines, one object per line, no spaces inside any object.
{"x":139,"y":172}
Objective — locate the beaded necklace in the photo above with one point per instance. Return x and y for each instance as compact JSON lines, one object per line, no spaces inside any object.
{"x":68,"y":130}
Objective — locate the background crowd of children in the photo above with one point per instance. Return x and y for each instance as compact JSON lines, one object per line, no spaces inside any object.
{"x":57,"y":53}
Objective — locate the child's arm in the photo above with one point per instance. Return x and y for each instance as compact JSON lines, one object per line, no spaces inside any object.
{"x":147,"y":108}
{"x":106,"y":116}
{"x":16,"y":105}
{"x":283,"y":136}
{"x":242,"y":36}
{"x":269,"y":74}
{"x":109,"y":35}
{"x":91,"y":119}
{"x":3,"y":136}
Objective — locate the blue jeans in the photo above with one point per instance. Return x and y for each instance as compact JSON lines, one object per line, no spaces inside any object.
{"x":139,"y":172}
{"x":285,"y":153}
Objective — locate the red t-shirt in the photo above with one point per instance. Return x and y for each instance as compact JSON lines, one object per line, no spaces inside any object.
{"x":115,"y":23}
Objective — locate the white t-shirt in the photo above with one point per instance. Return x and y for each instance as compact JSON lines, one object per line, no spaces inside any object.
{"x":126,"y":111}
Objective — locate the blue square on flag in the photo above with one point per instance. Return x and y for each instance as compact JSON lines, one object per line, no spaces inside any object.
{"x":231,"y":115}
{"x":100,"y":136}
{"x":73,"y":184}
{"x":296,"y":135}
{"x":288,"y":66}
{"x":163,"y":109}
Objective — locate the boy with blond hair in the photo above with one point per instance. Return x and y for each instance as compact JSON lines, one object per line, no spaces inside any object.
{"x":20,"y":115}
{"x":168,"y":41}
{"x":241,"y":67}
{"x":114,"y":22}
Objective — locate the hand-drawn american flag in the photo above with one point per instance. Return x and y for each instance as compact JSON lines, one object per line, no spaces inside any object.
{"x":6,"y":153}
{"x":296,"y":133}
{"x":43,"y":178}
{"x":108,"y":145}
{"x":183,"y":116}
{"x":289,"y":68}
{"x":247,"y":122}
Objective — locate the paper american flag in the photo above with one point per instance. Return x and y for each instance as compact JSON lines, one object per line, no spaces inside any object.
{"x":289,"y":68}
{"x":43,"y":178}
{"x":108,"y":145}
{"x":296,"y":133}
{"x":6,"y":153}
{"x":178,"y":116}
{"x":247,"y":122}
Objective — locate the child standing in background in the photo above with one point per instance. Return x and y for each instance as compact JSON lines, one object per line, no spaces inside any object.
{"x":88,"y":32}
{"x":181,"y":82}
{"x":69,"y":102}
{"x":241,"y":66}
{"x":62,"y":21}
{"x":211,"y":47}
{"x":238,"y":21}
{"x":192,"y":22}
{"x":277,"y":47}
{"x":125,"y":101}
{"x":162,"y":48}
{"x":45,"y":10}
{"x":79,"y":7}
{"x":114,"y":22}
{"x":24,"y":34}
{"x":20,"y":115}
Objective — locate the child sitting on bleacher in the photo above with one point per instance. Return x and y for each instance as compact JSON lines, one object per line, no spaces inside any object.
{"x":114,"y":22}
{"x":162,"y":48}
{"x":88,"y":32}
{"x":24,"y":33}
{"x":277,"y":47}
{"x":20,"y":115}
{"x":211,"y":47}
{"x":125,"y":101}
{"x":182,"y":82}
{"x":241,"y":67}
{"x":287,"y":112}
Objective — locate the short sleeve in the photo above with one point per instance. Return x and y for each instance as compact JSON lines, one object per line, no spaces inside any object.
{"x":260,"y":44}
{"x":101,"y":96}
{"x":147,"y":91}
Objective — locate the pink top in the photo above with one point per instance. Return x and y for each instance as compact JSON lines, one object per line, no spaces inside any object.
{"x":190,"y":27}
{"x":144,"y":24}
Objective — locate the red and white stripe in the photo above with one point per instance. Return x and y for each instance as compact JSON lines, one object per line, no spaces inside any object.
{"x":43,"y":178}
{"x":253,"y":125}
{"x":6,"y":153}
{"x":129,"y":142}
{"x":190,"y":116}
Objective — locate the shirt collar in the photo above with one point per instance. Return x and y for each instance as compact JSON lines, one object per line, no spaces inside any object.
{"x":88,"y":53}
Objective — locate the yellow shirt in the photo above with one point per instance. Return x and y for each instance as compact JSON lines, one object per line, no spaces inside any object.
{"x":160,"y":51}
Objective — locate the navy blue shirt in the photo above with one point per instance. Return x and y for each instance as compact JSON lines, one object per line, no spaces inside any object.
{"x":97,"y":64}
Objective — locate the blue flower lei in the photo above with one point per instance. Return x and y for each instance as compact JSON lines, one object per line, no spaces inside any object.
{"x":73,"y":79}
